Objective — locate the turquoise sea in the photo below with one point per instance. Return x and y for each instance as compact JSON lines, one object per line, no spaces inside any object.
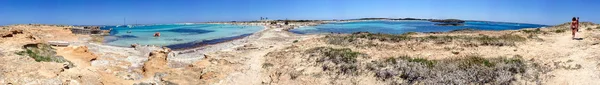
{"x":176,"y":35}
{"x":403,"y":26}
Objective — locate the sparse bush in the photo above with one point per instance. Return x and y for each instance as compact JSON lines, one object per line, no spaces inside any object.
{"x":41,"y":53}
{"x":340,"y":40}
{"x":536,"y":31}
{"x":514,"y":38}
{"x":267,"y":65}
{"x":559,"y":31}
{"x":504,"y":40}
{"x":36,"y":57}
{"x":474,"y":61}
{"x":342,"y":61}
{"x":391,"y":60}
{"x":428,"y":63}
{"x":295,"y":41}
{"x":343,"y":55}
{"x":410,"y":33}
{"x":466,"y":70}
{"x":464,"y":30}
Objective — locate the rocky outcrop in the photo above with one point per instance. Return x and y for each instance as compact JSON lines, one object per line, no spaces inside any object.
{"x":79,"y":55}
{"x":157,"y":62}
{"x":6,"y":34}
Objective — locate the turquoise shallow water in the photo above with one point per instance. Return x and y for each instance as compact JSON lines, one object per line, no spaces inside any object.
{"x":175,"y":34}
{"x":403,"y":26}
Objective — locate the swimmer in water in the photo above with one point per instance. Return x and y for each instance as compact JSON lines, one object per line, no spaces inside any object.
{"x":157,"y":34}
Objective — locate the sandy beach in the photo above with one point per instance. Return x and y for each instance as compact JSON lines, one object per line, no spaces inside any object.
{"x":275,"y":56}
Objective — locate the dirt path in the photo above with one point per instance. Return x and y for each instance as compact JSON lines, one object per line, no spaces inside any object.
{"x":580,"y":66}
{"x":267,"y":41}
{"x":250,"y":73}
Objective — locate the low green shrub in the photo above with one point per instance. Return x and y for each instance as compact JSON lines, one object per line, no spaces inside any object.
{"x":470,"y":69}
{"x":503,"y":40}
{"x":343,"y":60}
{"x":536,"y":31}
{"x":559,"y":31}
{"x":41,"y":53}
{"x":410,"y":33}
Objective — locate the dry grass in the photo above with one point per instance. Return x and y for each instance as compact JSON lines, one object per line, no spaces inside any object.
{"x":343,"y":60}
{"x":465,"y":70}
{"x":354,"y":39}
{"x":536,"y":31}
{"x":471,"y":69}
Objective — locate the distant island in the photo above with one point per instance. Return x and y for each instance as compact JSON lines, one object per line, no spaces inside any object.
{"x":449,"y":22}
{"x":441,"y":22}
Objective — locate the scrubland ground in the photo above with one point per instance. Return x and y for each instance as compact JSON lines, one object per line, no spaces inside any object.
{"x":528,"y":56}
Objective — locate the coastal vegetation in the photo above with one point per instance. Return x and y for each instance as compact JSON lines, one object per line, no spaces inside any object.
{"x":485,"y":40}
{"x":405,"y":69}
{"x":342,"y":60}
{"x":470,"y":69}
{"x":559,"y":31}
{"x":536,"y":31}
{"x":410,"y":33}
{"x":42,"y":53}
{"x":464,"y":30}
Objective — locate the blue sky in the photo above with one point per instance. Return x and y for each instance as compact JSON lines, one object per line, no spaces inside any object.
{"x":112,"y":12}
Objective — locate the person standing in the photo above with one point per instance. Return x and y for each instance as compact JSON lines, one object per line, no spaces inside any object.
{"x":574,"y":26}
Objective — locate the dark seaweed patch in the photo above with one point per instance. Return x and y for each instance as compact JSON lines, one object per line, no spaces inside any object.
{"x":192,"y":31}
{"x":175,"y":39}
{"x":205,"y":42}
{"x":127,"y":36}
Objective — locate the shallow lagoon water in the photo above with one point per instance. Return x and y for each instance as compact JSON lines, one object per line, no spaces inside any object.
{"x":175,"y":34}
{"x":403,"y":26}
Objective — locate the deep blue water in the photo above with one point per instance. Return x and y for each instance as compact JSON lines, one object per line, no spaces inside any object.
{"x":403,"y":26}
